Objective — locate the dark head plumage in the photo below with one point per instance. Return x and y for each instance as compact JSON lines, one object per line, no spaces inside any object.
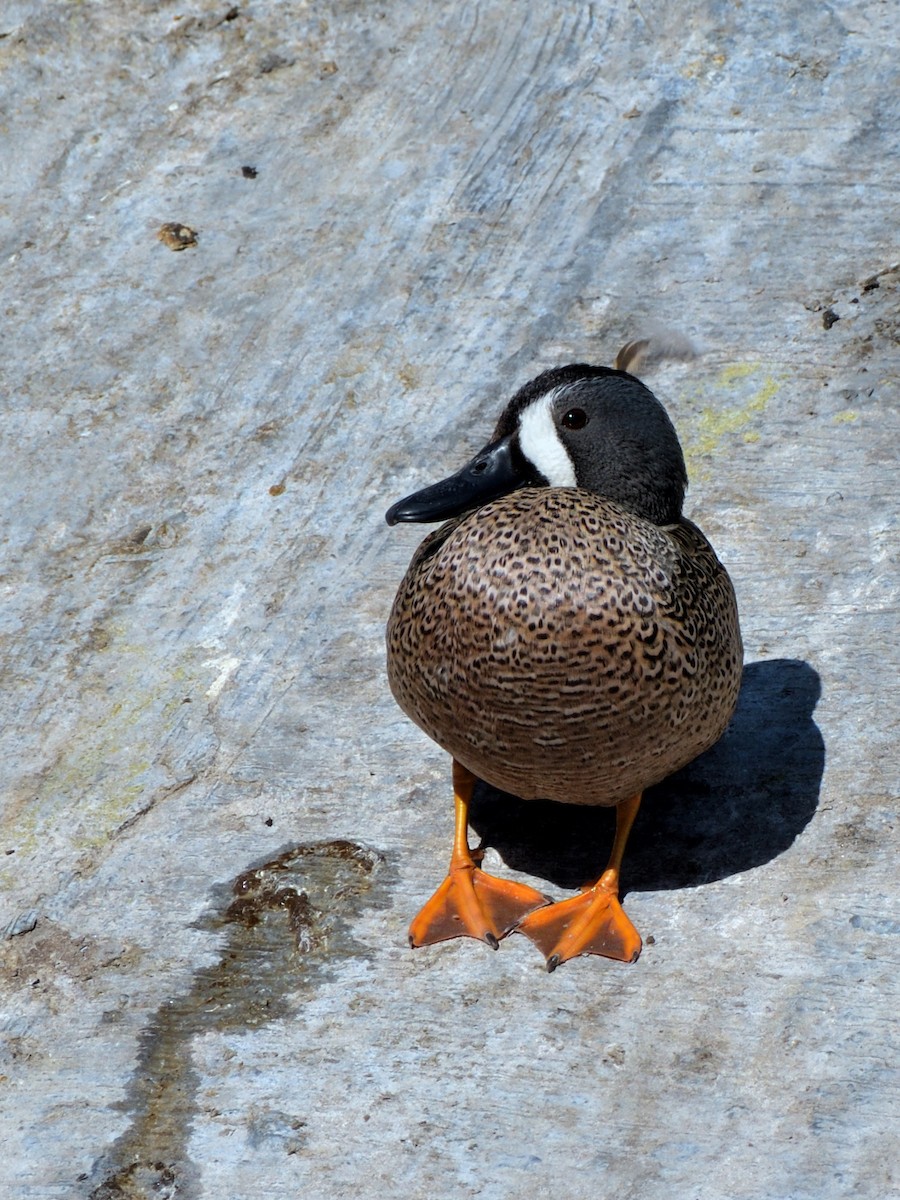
{"x":579,"y":425}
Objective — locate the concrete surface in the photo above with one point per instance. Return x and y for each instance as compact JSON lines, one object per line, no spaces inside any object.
{"x":215,"y":824}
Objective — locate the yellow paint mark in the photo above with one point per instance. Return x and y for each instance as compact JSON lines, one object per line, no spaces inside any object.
{"x":107,"y":763}
{"x":844,"y":418}
{"x":730,"y":375}
{"x":714,"y":423}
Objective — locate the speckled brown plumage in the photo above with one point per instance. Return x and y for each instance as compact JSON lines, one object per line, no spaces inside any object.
{"x":561,"y":647}
{"x":567,"y":635}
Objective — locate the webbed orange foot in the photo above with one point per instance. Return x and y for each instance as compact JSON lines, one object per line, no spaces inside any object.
{"x":471,"y":903}
{"x":592,"y":923}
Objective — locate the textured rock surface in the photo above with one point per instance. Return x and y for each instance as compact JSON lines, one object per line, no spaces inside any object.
{"x":215,"y":823}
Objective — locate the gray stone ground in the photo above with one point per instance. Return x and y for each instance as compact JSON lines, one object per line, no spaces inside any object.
{"x":215,"y":823}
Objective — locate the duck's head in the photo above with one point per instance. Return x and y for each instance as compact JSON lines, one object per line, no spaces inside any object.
{"x":575,"y":426}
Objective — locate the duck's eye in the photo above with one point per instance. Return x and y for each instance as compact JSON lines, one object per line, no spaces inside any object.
{"x":575,"y":418}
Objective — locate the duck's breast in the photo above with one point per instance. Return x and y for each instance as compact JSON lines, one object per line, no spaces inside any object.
{"x":561,"y":647}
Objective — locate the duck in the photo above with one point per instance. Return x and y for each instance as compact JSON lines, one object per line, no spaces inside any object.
{"x":566,"y":634}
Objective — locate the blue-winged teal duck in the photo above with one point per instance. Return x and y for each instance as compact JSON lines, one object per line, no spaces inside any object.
{"x":566,"y":635}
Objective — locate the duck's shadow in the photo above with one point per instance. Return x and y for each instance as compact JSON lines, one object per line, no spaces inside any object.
{"x":736,"y":807}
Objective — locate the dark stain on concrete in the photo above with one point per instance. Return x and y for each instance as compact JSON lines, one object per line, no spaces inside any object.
{"x":287,"y":923}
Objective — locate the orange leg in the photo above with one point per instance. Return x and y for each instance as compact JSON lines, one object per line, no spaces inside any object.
{"x":594,"y":922}
{"x":471,"y":903}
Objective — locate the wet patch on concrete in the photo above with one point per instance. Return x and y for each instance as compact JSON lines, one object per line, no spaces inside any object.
{"x":287,"y":924}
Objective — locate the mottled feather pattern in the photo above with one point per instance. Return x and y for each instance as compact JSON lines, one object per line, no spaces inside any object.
{"x":561,"y":647}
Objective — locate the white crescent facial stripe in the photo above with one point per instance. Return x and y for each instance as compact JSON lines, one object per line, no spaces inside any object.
{"x":541,"y":444}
